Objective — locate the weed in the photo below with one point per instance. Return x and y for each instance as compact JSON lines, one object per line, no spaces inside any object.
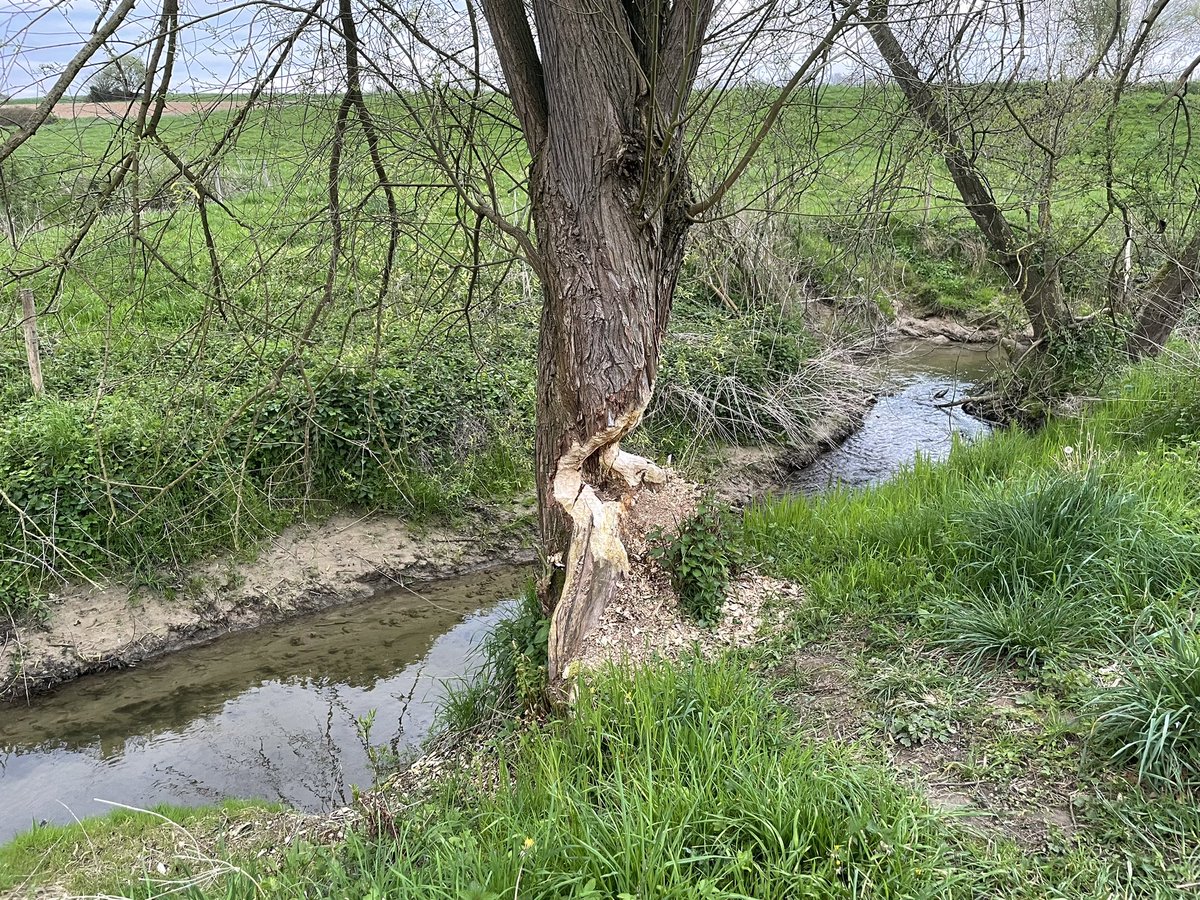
{"x":915,"y":699}
{"x":699,"y":558}
{"x":382,"y":758}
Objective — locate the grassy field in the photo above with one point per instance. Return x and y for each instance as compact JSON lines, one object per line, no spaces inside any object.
{"x":186,"y":413}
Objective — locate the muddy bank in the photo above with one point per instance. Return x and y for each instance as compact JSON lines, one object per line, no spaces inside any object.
{"x":937,"y":329}
{"x":307,"y":568}
{"x":746,"y":473}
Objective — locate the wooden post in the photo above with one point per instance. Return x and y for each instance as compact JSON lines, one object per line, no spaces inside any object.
{"x":29,"y":326}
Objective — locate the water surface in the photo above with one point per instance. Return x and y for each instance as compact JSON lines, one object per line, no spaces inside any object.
{"x":907,"y":421}
{"x":268,"y":713}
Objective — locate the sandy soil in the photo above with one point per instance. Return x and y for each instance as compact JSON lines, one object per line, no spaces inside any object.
{"x":309,"y":567}
{"x":945,"y":330}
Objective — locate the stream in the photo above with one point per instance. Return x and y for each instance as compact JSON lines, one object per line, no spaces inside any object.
{"x":269,"y":713}
{"x":273,"y":713}
{"x":906,"y":421}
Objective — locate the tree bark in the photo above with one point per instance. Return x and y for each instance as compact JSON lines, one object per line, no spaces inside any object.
{"x":610,"y":211}
{"x":1174,"y":287}
{"x":607,"y":290}
{"x":1039,"y":290}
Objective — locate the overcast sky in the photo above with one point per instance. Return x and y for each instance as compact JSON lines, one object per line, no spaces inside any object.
{"x":38,"y":37}
{"x":224,"y":42}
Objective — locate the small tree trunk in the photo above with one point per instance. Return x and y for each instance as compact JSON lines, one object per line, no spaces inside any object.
{"x":1176,"y":284}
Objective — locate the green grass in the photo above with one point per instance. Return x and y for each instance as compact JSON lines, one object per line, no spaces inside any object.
{"x":91,"y":854}
{"x":677,"y":782}
{"x":1053,"y":553}
{"x":510,"y":677}
{"x":1151,"y":718}
{"x":394,"y":404}
{"x":1101,"y":510}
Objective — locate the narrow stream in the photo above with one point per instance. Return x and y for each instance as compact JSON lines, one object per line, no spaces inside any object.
{"x":268,"y":713}
{"x":272,"y":713}
{"x":907,"y":420}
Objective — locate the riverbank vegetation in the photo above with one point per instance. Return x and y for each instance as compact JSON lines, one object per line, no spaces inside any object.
{"x":184,"y":415}
{"x":986,"y":689}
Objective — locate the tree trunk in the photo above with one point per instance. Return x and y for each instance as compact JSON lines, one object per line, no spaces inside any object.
{"x":610,"y":273}
{"x":601,"y":108}
{"x":1038,"y":289}
{"x":1175,"y":285}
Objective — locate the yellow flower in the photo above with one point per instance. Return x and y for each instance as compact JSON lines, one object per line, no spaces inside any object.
{"x":529,"y":842}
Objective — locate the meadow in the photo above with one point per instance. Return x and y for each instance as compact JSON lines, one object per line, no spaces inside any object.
{"x":211,"y":376}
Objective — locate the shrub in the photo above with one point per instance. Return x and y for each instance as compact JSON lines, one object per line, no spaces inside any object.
{"x":20,"y":116}
{"x":699,"y":558}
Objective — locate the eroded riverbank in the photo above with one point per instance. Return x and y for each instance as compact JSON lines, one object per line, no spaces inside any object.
{"x":346,"y":559}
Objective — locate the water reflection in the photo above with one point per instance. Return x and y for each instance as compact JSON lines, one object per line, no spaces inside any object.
{"x":268,"y":714}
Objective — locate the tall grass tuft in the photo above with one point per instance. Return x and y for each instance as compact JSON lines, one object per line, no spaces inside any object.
{"x":1152,"y":718}
{"x":1057,"y":563}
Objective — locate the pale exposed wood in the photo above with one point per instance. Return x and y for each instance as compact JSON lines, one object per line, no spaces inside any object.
{"x":32,"y":350}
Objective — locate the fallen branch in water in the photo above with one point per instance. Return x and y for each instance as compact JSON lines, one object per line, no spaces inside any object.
{"x":963,"y":401}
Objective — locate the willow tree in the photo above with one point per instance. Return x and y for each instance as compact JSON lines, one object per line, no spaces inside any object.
{"x":1012,"y":108}
{"x":609,"y":98}
{"x":603,"y":94}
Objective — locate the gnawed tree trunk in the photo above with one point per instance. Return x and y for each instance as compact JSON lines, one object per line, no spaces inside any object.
{"x":600,"y":110}
{"x":607,"y":293}
{"x":1040,"y":291}
{"x":1173,"y":288}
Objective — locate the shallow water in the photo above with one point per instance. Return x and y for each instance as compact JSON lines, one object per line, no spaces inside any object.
{"x":906,"y":421}
{"x":268,"y":713}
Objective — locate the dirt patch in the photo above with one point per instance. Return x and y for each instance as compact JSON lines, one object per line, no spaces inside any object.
{"x":977,"y":775}
{"x":306,"y":568}
{"x":643,"y":621}
{"x":85,"y":109}
{"x":941,"y":329}
{"x":821,"y":693}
